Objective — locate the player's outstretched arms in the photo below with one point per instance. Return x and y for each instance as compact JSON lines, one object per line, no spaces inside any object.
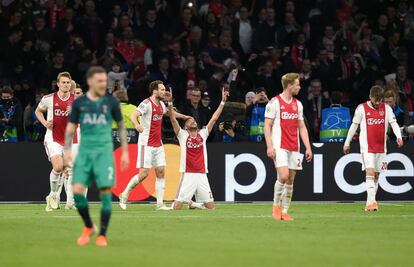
{"x":134,"y":118}
{"x":173,"y":119}
{"x":268,"y":137}
{"x":217,"y":113}
{"x":351,"y":132}
{"x":303,"y":132}
{"x":69,"y":133}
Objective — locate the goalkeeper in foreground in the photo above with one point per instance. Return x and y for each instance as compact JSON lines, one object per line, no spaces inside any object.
{"x":94,"y":112}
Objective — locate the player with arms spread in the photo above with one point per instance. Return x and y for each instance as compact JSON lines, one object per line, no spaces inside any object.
{"x":150,"y":148}
{"x":373,"y":118}
{"x":94,"y":112}
{"x":57,"y":106}
{"x":283,"y":125}
{"x":193,"y":161}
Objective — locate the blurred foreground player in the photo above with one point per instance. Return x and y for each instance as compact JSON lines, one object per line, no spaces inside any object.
{"x":94,"y":113}
{"x":283,"y":125}
{"x":373,"y":118}
{"x":57,"y":106}
{"x":193,"y":161}
{"x":147,"y":120}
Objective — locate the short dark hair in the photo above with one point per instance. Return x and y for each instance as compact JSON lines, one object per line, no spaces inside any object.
{"x":94,"y":70}
{"x":336,"y":97}
{"x":7,"y":90}
{"x":154,"y":86}
{"x":260,"y":89}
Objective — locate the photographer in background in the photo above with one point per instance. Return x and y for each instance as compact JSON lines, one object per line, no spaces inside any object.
{"x":229,"y":130}
{"x":10,"y":116}
{"x":254,"y":123}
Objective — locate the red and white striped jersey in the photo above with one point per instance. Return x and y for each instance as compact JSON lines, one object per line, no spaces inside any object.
{"x":151,"y":120}
{"x":286,"y":116}
{"x":58,"y":111}
{"x":373,"y":125}
{"x":193,"y":151}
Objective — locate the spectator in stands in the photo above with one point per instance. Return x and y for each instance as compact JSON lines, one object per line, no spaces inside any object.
{"x":117,"y":78}
{"x":254,"y":122}
{"x":316,"y":101}
{"x":34,"y":130}
{"x":205,"y":101}
{"x":248,"y":100}
{"x":10,"y":116}
{"x":336,"y":120}
{"x":390,"y":98}
{"x":195,"y":109}
{"x":406,"y":93}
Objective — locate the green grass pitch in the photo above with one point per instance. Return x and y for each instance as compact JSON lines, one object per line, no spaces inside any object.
{"x":231,"y":235}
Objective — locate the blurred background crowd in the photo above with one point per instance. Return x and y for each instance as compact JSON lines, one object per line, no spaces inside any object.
{"x":340,"y":48}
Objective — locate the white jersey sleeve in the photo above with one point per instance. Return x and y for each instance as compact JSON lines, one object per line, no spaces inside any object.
{"x":272,"y":109}
{"x":300,"y":111}
{"x":182,"y":135}
{"x":143,"y":107}
{"x":390,"y":114}
{"x":46,"y":102}
{"x":359,"y":114}
{"x":204,"y":134}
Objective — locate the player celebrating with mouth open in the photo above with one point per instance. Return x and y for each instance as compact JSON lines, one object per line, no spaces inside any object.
{"x":373,"y":118}
{"x":283,"y":125}
{"x":193,"y":162}
{"x":150,"y":149}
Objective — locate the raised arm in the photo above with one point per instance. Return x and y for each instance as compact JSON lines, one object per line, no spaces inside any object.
{"x":217,"y":113}
{"x":173,"y":119}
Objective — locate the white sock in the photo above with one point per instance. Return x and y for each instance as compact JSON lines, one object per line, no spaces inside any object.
{"x":278,"y":193}
{"x":131,"y":185}
{"x":197,"y":205}
{"x":376,"y":186}
{"x":159,"y":188}
{"x":69,"y":193}
{"x":370,"y":184}
{"x":287,"y":197}
{"x":54,"y":182}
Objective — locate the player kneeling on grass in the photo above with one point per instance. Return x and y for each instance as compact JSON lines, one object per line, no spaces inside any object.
{"x":94,"y":112}
{"x":193,"y":162}
{"x":283,"y":125}
{"x":373,"y":118}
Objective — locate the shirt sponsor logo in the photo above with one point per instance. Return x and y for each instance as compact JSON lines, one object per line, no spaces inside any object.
{"x":194,"y":145}
{"x":372,"y":121}
{"x":61,"y":113}
{"x":94,"y":119}
{"x":156,"y":117}
{"x":289,"y":116}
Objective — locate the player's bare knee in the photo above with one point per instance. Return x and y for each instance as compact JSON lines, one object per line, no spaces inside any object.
{"x":78,"y":189}
{"x":370,"y":172}
{"x":160,"y":172}
{"x":143,"y":174}
{"x":209,"y":205}
{"x":178,"y":205}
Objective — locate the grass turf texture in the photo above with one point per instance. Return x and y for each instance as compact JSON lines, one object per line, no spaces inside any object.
{"x":231,"y":235}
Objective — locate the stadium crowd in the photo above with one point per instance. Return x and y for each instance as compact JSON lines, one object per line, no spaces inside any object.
{"x":340,"y":48}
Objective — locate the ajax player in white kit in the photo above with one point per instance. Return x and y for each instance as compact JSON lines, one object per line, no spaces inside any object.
{"x":193,"y":160}
{"x":283,"y":125}
{"x":150,"y":149}
{"x":57,"y":105}
{"x":373,"y":118}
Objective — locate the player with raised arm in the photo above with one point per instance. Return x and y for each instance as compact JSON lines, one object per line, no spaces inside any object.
{"x":193,"y":160}
{"x":57,"y":106}
{"x":150,"y":149}
{"x":373,"y":118}
{"x":284,"y":124}
{"x":94,"y":112}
